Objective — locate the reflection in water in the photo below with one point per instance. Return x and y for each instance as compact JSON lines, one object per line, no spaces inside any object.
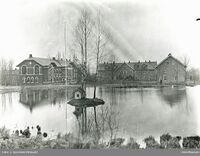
{"x":3,"y":101}
{"x":172,"y":96}
{"x":38,"y":97}
{"x":140,"y":111}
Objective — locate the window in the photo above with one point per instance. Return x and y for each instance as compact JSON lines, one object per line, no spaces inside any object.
{"x":36,"y":79}
{"x":28,"y":79}
{"x":165,"y":77}
{"x":24,"y":70}
{"x":176,"y":78}
{"x":37,"y":69}
{"x":32,"y":79}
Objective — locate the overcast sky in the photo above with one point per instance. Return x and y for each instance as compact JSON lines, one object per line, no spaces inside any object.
{"x":142,"y":30}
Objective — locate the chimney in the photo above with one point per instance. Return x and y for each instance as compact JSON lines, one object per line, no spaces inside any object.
{"x":54,"y":58}
{"x":30,"y":56}
{"x":169,"y":54}
{"x":149,"y":61}
{"x":129,"y":62}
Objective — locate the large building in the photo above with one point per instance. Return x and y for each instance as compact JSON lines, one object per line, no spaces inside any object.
{"x":168,"y":71}
{"x":171,"y":71}
{"x":35,"y":70}
{"x":127,"y":71}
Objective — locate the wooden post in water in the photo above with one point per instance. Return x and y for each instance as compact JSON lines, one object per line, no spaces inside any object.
{"x":95,"y":118}
{"x":85,"y":109}
{"x":82,"y":119}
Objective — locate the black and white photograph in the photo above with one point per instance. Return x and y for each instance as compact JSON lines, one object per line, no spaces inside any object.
{"x":115,"y":74}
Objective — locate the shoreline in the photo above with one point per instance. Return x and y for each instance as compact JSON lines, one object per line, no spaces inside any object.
{"x":69,"y":141}
{"x":120,"y":85}
{"x":7,"y":89}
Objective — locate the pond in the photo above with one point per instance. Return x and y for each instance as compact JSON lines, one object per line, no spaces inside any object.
{"x":140,"y":111}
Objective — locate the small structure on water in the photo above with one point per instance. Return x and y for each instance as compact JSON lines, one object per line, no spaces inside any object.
{"x":81,"y":103}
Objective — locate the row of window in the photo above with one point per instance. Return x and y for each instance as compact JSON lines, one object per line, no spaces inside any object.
{"x":31,"y":70}
{"x":30,"y":79}
{"x":58,"y":79}
{"x":165,"y":77}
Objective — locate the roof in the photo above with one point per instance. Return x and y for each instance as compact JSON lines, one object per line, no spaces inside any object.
{"x":80,"y":90}
{"x":108,"y":66}
{"x":46,"y":61}
{"x":170,"y":56}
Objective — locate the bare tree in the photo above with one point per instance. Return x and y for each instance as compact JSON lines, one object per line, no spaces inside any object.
{"x":194,"y":75}
{"x":108,"y":124}
{"x":9,"y":72}
{"x":186,"y":61}
{"x":82,"y":33}
{"x":58,"y":55}
{"x":3,"y":65}
{"x":6,"y":68}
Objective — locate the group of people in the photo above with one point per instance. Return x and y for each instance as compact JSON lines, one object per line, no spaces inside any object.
{"x":27,"y":132}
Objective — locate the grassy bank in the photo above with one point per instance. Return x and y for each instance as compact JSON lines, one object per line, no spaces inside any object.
{"x":68,"y":141}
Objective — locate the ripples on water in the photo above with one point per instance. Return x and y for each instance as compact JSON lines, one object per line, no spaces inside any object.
{"x":140,"y":111}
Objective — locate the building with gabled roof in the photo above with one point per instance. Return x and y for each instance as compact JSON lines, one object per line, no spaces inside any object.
{"x":127,"y":71}
{"x":35,"y":70}
{"x":168,"y":71}
{"x":171,"y":71}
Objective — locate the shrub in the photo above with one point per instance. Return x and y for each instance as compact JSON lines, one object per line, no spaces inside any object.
{"x":4,"y":133}
{"x":173,"y":143}
{"x":116,"y":143}
{"x":191,"y":142}
{"x":132,"y":144}
{"x":151,"y":142}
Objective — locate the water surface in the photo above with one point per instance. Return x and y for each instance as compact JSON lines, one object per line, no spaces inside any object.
{"x":139,"y":112}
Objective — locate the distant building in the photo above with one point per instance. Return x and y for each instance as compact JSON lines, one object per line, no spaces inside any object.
{"x":168,"y":71}
{"x":35,"y":70}
{"x":127,"y":71}
{"x":171,"y":71}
